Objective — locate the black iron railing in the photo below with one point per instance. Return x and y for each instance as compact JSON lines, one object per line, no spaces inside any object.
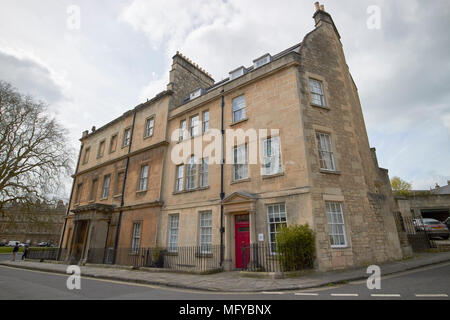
{"x":52,"y":254}
{"x":193,"y":258}
{"x":270,"y":257}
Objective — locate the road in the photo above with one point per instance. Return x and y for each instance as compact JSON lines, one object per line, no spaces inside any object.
{"x":431,"y":282}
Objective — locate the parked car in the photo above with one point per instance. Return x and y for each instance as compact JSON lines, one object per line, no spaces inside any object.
{"x":12,"y":243}
{"x":434,"y":228}
{"x":2,"y":244}
{"x":447,"y":223}
{"x":43,"y":244}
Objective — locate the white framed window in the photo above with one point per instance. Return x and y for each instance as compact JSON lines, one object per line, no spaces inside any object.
{"x":143,"y":178}
{"x":262,"y":61}
{"x":86,"y":155}
{"x":149,"y":125}
{"x":326,"y":156}
{"x":194,"y":126}
{"x":204,"y":173}
{"x":197,"y":93}
{"x":336,"y":224}
{"x":106,"y":183}
{"x":136,"y":240}
{"x":205,"y":123}
{"x":126,"y":137}
{"x":317,"y":96}
{"x":240,"y":165}
{"x":272,"y":156}
{"x":173,"y":232}
{"x":101,"y":149}
{"x":183,"y":133}
{"x":191,"y":173}
{"x":205,"y":233}
{"x":237,"y":73}
{"x":276,"y":219}
{"x":239,"y":109}
{"x":179,"y":178}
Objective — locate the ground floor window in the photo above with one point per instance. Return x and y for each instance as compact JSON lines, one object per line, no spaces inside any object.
{"x":205,"y":240}
{"x":336,"y":225}
{"x":276,"y":218}
{"x":136,"y":237}
{"x":173,"y":233}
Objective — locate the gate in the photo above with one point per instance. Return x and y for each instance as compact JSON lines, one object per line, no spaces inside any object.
{"x":417,"y":235}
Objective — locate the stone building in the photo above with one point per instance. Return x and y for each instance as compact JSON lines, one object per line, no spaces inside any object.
{"x":32,"y":223}
{"x":141,"y":183}
{"x":434,"y":203}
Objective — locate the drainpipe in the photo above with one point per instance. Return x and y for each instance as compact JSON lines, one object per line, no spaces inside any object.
{"x":222,"y":193}
{"x":122,"y":200}
{"x":68,"y":206}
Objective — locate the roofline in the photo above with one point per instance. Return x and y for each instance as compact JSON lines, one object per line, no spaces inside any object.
{"x":129,"y":112}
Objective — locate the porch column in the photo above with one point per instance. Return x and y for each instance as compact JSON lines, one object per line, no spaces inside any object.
{"x":86,"y":243}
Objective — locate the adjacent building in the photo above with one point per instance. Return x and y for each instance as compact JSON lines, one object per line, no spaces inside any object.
{"x":141,"y":182}
{"x":32,"y":223}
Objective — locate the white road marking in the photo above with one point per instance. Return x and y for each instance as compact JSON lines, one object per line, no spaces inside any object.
{"x":432,"y":295}
{"x":345,"y":295}
{"x":306,"y":294}
{"x":269,"y":292}
{"x":395,"y":295}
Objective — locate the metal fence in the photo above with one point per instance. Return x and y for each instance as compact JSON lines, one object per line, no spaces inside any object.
{"x":270,"y":257}
{"x":54,"y":254}
{"x":418,"y":237}
{"x":194,"y":258}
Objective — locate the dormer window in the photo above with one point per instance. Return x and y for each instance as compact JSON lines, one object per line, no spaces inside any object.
{"x":196,"y":94}
{"x":265,"y":59}
{"x":237,"y":73}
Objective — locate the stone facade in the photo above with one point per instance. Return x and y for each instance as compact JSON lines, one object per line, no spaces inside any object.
{"x":277,"y":96}
{"x":32,"y":223}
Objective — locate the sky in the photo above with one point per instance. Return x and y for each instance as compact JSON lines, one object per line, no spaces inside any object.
{"x":93,"y":60}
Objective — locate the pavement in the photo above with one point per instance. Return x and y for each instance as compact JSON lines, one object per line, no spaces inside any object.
{"x":235,"y":281}
{"x":426,"y":283}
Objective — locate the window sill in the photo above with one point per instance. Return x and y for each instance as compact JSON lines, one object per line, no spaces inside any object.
{"x":319,"y":106}
{"x":265,"y":177}
{"x":103,"y":199}
{"x":204,"y":255}
{"x":340,"y":248}
{"x":240,"y":181}
{"x":117,"y":196}
{"x":190,"y":190}
{"x":148,"y":137}
{"x":338,"y":173}
{"x":238,"y":122}
{"x":141,"y":191}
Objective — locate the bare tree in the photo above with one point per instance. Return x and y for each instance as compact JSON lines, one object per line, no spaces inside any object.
{"x":35,"y":156}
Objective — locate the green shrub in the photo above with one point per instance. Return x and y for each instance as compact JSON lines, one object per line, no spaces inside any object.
{"x":296,"y":247}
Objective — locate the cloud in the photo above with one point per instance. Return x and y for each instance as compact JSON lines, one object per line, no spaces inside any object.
{"x":31,"y":77}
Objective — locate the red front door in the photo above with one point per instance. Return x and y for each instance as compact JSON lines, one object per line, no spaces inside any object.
{"x":242,"y":240}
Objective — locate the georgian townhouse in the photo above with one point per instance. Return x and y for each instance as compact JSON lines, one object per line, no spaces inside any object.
{"x":282,"y":142}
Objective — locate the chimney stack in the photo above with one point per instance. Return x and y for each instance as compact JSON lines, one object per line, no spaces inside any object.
{"x":317,"y":6}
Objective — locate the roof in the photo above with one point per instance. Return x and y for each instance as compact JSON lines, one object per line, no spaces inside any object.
{"x":442,"y":190}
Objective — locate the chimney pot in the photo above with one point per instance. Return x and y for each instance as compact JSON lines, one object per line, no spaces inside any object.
{"x":317,"y":6}
{"x":322,"y":7}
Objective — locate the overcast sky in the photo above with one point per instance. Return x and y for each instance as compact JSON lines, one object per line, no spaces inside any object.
{"x":122,"y":51}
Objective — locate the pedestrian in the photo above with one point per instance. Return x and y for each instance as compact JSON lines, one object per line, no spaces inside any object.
{"x":15,"y":250}
{"x":25,"y":251}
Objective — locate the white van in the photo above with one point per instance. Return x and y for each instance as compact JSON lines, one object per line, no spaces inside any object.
{"x":12,"y":243}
